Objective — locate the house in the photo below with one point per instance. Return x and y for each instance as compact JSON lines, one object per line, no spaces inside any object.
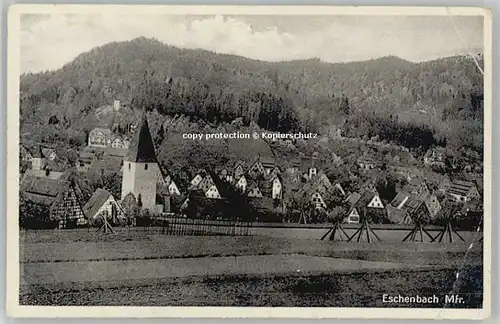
{"x":198,"y":178}
{"x":463,"y":191}
{"x":253,"y":190}
{"x":293,"y":167}
{"x":268,"y":164}
{"x":211,"y":185}
{"x":117,"y":142}
{"x":317,"y":193}
{"x":271,"y":187}
{"x":59,"y":197}
{"x":173,"y":188}
{"x":49,"y":153}
{"x":472,"y":207}
{"x":85,"y":159}
{"x":241,"y":183}
{"x":353,"y":216}
{"x":444,"y":184}
{"x":47,"y":173}
{"x":366,"y":164}
{"x":276,"y":171}
{"x":239,"y":169}
{"x":256,"y":169}
{"x":277,"y":187}
{"x":99,"y":137}
{"x":435,"y":157}
{"x":358,"y":202}
{"x":415,"y":187}
{"x":25,"y":154}
{"x":38,"y":160}
{"x":207,"y":182}
{"x":102,"y":203}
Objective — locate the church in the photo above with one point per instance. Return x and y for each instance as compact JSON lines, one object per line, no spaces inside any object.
{"x":140,"y":168}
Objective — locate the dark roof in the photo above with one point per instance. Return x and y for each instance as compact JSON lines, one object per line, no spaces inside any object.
{"x":115,"y":151}
{"x":37,"y":152}
{"x":353,"y":198}
{"x":400,"y":197}
{"x":365,"y":199}
{"x":43,"y":191}
{"x":95,"y":202}
{"x":461,"y":188}
{"x":141,"y":148}
{"x":267,"y":162}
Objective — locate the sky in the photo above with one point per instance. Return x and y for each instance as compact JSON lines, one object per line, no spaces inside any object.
{"x":50,"y":41}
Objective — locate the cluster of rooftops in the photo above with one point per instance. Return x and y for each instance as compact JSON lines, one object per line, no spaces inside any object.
{"x":262,"y":181}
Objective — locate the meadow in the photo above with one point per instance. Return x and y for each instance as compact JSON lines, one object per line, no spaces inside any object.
{"x":143,"y":267}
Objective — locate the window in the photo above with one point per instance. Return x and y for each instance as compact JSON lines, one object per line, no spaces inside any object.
{"x":145,"y":166}
{"x":129,"y":166}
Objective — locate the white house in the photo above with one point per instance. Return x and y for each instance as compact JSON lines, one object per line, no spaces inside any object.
{"x":242,"y":183}
{"x":102,"y":203}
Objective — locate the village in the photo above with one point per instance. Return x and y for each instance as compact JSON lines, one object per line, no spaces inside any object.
{"x":260,"y":190}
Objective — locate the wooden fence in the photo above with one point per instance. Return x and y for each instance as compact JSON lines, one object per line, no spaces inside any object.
{"x":198,"y":227}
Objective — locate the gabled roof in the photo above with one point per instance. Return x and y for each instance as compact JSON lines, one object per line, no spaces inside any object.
{"x":460,"y":188}
{"x":365,"y":199}
{"x":400,"y":197}
{"x":141,"y":148}
{"x":95,"y":202}
{"x":47,"y":151}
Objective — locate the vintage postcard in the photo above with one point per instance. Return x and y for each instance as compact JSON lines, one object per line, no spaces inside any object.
{"x":249,"y":161}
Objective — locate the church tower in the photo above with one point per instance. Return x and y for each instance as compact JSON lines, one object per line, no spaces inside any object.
{"x":140,"y":167}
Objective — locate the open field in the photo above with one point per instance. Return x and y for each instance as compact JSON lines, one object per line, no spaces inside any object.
{"x":360,"y":289}
{"x":387,"y":233}
{"x":167,"y":247}
{"x":79,"y":267}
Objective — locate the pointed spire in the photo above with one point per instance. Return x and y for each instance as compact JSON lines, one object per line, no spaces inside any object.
{"x":141,"y":148}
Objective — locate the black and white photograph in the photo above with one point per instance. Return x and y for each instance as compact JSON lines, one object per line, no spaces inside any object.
{"x":249,"y":161}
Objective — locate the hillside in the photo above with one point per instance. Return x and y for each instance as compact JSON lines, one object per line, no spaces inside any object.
{"x":439,"y":101}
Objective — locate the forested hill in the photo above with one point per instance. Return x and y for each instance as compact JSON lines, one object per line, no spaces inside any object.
{"x":439,"y":101}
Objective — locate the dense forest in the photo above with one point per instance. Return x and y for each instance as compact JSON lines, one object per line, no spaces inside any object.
{"x":417,"y":105}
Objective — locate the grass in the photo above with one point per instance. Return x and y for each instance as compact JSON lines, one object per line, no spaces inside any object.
{"x":54,"y":251}
{"x":167,"y":247}
{"x":335,"y":290}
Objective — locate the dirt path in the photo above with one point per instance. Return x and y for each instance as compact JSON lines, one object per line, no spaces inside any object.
{"x":92,"y":271}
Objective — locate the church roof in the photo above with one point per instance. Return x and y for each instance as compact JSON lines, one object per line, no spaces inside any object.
{"x":141,"y":149}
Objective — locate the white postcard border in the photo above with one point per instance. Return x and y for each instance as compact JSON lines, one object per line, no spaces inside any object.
{"x":12,"y":260}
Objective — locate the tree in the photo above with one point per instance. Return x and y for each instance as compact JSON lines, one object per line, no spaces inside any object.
{"x":130,"y":208}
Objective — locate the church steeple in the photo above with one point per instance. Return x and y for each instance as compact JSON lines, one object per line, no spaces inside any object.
{"x":141,"y":148}
{"x":140,"y":167}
